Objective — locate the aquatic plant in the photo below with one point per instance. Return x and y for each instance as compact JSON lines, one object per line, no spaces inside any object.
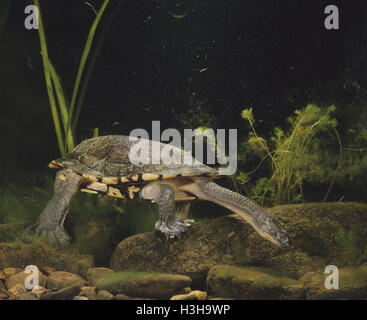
{"x":56,"y":95}
{"x":295,"y":154}
{"x":347,"y":241}
{"x":23,"y":205}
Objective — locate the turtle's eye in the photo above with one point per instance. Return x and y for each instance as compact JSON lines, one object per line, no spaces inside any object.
{"x":284,"y":238}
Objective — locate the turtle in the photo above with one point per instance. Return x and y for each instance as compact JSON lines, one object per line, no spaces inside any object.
{"x":103,"y":165}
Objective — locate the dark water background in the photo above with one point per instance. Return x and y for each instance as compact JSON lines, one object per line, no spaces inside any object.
{"x":275,"y":56}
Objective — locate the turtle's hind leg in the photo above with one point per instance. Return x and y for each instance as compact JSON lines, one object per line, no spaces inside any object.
{"x":164,"y":196}
{"x":50,"y":222}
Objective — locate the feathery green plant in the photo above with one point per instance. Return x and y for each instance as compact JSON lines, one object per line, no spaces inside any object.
{"x":295,"y":155}
{"x":58,"y":102}
{"x":352,"y":253}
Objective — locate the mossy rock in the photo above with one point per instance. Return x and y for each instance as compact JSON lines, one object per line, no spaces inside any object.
{"x":315,"y":227}
{"x":226,"y":240}
{"x":352,"y":279}
{"x":94,"y":274}
{"x":201,"y":247}
{"x":252,"y":283}
{"x":144,"y":284}
{"x":19,"y":254}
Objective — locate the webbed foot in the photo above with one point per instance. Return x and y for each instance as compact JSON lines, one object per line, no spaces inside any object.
{"x":55,"y":235}
{"x":171,"y":230}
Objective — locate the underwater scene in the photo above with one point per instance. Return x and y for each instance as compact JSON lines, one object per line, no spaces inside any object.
{"x":183,"y":150}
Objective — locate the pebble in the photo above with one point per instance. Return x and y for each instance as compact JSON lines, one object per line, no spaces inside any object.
{"x":80,"y":298}
{"x":88,"y":292}
{"x":60,"y":279}
{"x":3,"y":294}
{"x":26,"y":296}
{"x":9,"y":272}
{"x":104,"y":295}
{"x":38,"y":291}
{"x":20,"y":278}
{"x":17,"y":289}
{"x":47,"y":270}
{"x":63,"y":294}
{"x":193,"y":295}
{"x":121,"y":296}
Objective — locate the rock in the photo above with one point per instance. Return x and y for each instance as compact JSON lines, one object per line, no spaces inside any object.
{"x":315,"y":229}
{"x":144,"y":284}
{"x":193,"y":295}
{"x":104,"y":295}
{"x":10,"y":271}
{"x":63,"y":294}
{"x":80,"y":298}
{"x":252,"y":283}
{"x":352,"y":279}
{"x":187,"y":290}
{"x":61,"y":279}
{"x":20,"y":254}
{"x":17,"y":289}
{"x":37,"y":292}
{"x":121,"y":296}
{"x":187,"y":296}
{"x":88,"y":291}
{"x":338,"y":295}
{"x":2,"y":275}
{"x":3,"y":294}
{"x":26,"y":296}
{"x":21,"y":277}
{"x":47,"y":270}
{"x":225,"y":240}
{"x":94,"y":274}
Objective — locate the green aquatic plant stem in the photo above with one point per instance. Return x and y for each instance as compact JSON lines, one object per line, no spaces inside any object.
{"x":339,"y":164}
{"x":92,"y":61}
{"x":69,"y":141}
{"x":83,"y":61}
{"x":51,"y":96}
{"x":55,"y":90}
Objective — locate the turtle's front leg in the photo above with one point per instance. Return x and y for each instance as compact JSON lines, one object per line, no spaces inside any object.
{"x":164,"y":196}
{"x":50,"y":222}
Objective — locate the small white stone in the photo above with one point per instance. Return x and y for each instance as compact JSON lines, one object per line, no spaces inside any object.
{"x":80,"y":298}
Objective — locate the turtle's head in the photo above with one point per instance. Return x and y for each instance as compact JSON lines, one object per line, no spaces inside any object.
{"x":274,"y":232}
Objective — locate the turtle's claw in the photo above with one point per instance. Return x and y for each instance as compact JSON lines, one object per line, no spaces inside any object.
{"x":56,"y":235}
{"x":188,"y":222}
{"x":171,"y":230}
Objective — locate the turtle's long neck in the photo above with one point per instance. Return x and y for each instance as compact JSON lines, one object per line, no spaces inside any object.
{"x":244,"y":207}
